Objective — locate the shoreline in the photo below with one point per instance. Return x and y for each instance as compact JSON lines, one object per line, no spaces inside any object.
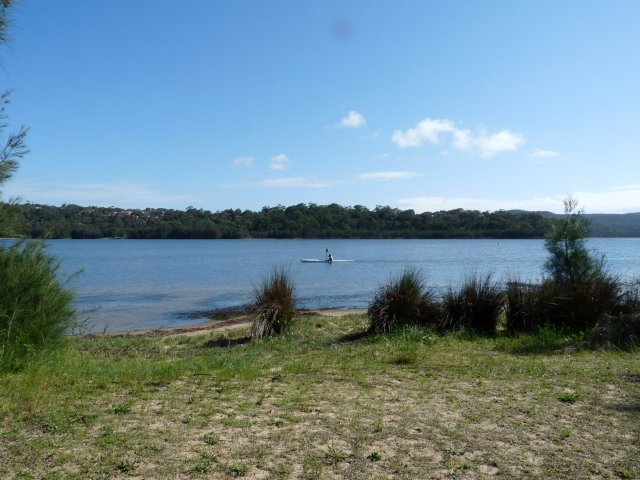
{"x":228,"y":321}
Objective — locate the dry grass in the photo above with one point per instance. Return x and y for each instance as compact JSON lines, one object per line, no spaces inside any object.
{"x":326,"y":401}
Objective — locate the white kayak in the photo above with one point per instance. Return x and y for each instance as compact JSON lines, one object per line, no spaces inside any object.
{"x":315,"y":260}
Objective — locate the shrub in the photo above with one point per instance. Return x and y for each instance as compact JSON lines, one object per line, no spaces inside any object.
{"x":587,"y":303}
{"x":274,"y":305}
{"x":402,"y":301}
{"x":574,"y":307}
{"x":522,"y":307}
{"x":35,"y":308}
{"x":475,"y":306}
{"x":621,"y":331}
{"x":629,"y":299}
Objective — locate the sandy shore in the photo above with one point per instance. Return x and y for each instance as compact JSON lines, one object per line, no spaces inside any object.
{"x":221,"y":325}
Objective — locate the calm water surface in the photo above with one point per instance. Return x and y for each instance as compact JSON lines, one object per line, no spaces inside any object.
{"x":132,"y":284}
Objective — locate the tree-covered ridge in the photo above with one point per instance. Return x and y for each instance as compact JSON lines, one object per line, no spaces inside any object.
{"x":297,"y":221}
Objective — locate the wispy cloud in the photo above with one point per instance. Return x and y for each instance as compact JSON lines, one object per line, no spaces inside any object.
{"x":401,"y":175}
{"x":611,"y":200}
{"x":540,"y":153}
{"x":279,"y":162}
{"x":243,"y":162}
{"x":353,"y":120}
{"x":286,"y":182}
{"x":125,"y":194}
{"x":436,"y":131}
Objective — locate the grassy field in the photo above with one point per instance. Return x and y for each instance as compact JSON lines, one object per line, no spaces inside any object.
{"x":326,"y":401}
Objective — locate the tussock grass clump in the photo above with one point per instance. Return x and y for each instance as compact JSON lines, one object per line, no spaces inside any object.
{"x":475,"y":306}
{"x":402,"y":301}
{"x":35,"y":308}
{"x":576,"y":307}
{"x":274,"y":305}
{"x":525,"y":302}
{"x":589,"y":302}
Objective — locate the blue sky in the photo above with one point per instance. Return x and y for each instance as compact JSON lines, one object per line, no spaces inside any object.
{"x":430,"y":105}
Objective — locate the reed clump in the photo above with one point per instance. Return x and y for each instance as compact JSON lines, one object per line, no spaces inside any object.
{"x":576,"y":307}
{"x":274,"y":303}
{"x":475,"y":306}
{"x":403,"y":301}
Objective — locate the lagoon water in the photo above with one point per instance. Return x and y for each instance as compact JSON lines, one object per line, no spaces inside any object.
{"x":132,"y":284}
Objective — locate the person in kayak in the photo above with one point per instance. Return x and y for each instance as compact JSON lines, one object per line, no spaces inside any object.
{"x":327,"y":256}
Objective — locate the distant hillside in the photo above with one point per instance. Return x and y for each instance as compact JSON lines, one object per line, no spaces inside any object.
{"x":615,"y":225}
{"x":605,"y":224}
{"x":296,"y":221}
{"x":299,"y":221}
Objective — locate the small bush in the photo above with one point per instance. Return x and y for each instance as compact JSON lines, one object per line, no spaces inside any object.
{"x":475,"y":306}
{"x":274,"y":305}
{"x":589,"y":302}
{"x":35,"y":308}
{"x":620,"y":331}
{"x":629,"y":299}
{"x":522,"y":307}
{"x":402,"y":301}
{"x":575,"y":307}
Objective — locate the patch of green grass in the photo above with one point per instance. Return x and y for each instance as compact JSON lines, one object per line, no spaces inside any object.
{"x":334,"y":456}
{"x":282,"y":471}
{"x":569,"y":397}
{"x":61,"y":421}
{"x":455,"y":450}
{"x":53,"y":476}
{"x":204,"y":464}
{"x":375,"y":456}
{"x":122,"y":408}
{"x":109,"y":437}
{"x":547,"y":339}
{"x":22,"y":475}
{"x":626,"y":473}
{"x":406,"y":354}
{"x":126,"y":465}
{"x":234,"y":422}
{"x":238,"y":469}
{"x":312,"y":468}
{"x":211,"y":438}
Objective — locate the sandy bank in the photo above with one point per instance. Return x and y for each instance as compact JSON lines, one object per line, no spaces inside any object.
{"x":221,"y":325}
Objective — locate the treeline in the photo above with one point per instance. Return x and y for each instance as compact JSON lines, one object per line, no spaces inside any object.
{"x":298,"y":221}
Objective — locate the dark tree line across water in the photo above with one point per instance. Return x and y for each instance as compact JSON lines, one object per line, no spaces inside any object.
{"x":297,"y":221}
